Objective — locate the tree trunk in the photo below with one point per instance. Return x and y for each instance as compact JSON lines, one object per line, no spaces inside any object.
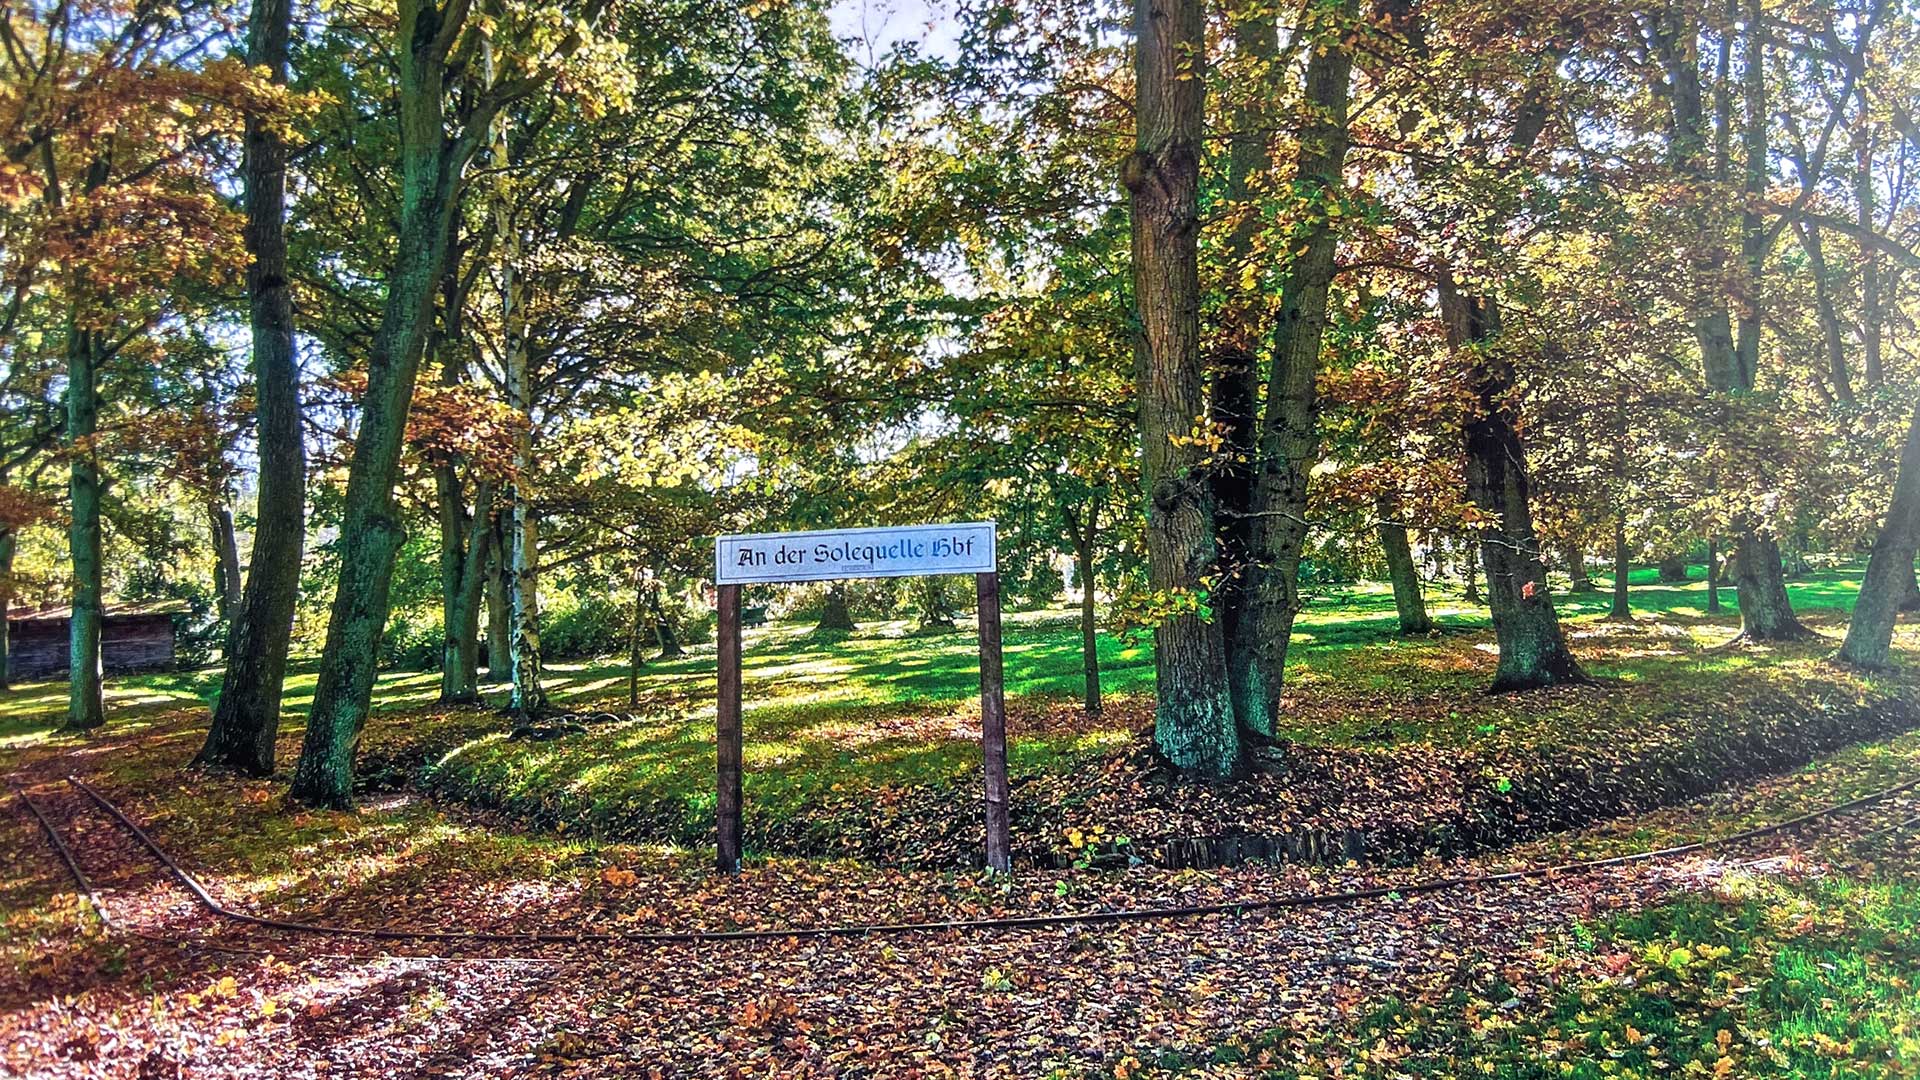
{"x":1621,"y":611}
{"x":499,"y":611}
{"x":1193,"y":717}
{"x":1713,"y":576}
{"x":1234,"y":403}
{"x":523,"y":549}
{"x":1731,"y":364}
{"x":246,"y":718}
{"x":1911,"y":602}
{"x":1833,"y":344}
{"x":1765,"y":612}
{"x":1890,"y":566}
{"x":1082,"y":525}
{"x":1089,"y":629}
{"x":635,"y":657}
{"x":1533,"y":650}
{"x":529,"y":696}
{"x":1401,"y":571}
{"x":1863,"y":197}
{"x":226,"y":561}
{"x":9,"y":542}
{"x":834,"y":614}
{"x":464,"y":536}
{"x":463,"y":577}
{"x":1472,"y":568}
{"x":1577,"y":578}
{"x":85,"y":705}
{"x":370,"y":530}
{"x":1289,"y":429}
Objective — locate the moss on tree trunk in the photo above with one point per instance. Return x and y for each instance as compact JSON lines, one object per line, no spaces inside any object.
{"x":85,"y":706}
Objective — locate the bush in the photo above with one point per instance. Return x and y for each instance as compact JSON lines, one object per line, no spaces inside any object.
{"x":575,"y":629}
{"x":413,"y":641}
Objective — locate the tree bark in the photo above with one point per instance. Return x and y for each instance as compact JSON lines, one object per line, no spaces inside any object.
{"x":86,"y":707}
{"x":1081,"y":534}
{"x":523,"y":547}
{"x":371,"y":532}
{"x":1730,"y":364}
{"x":1766,"y":614}
{"x":664,"y":634}
{"x":1863,"y":197}
{"x":463,"y":576}
{"x":1472,"y":568}
{"x":1833,"y":344}
{"x":529,"y":695}
{"x":499,"y":612}
{"x":1621,"y":610}
{"x":1533,"y":650}
{"x":1193,"y":717}
{"x":1578,"y":580}
{"x":1713,"y":576}
{"x":464,"y":535}
{"x":9,"y":543}
{"x":226,"y":561}
{"x":636,"y":658}
{"x":1289,"y":428}
{"x":1234,"y":402}
{"x":1401,"y":571}
{"x":246,"y":719}
{"x":1890,"y":566}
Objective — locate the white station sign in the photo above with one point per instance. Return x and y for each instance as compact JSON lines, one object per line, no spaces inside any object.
{"x":903,"y":551}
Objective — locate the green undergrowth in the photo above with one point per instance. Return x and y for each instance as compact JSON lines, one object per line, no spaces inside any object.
{"x":1768,"y":978}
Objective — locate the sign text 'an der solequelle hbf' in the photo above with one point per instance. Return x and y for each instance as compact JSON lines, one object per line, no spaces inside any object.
{"x":903,"y":551}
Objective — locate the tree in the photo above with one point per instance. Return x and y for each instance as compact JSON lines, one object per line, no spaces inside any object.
{"x":429,"y":43}
{"x":1271,"y":448}
{"x":1193,"y":718}
{"x":106,"y":235}
{"x":246,"y":718}
{"x":1890,"y":565}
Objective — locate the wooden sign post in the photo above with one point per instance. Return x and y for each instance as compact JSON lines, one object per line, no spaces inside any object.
{"x":837,"y":554}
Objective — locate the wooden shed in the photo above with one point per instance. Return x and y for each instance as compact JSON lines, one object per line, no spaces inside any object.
{"x":133,"y":638}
